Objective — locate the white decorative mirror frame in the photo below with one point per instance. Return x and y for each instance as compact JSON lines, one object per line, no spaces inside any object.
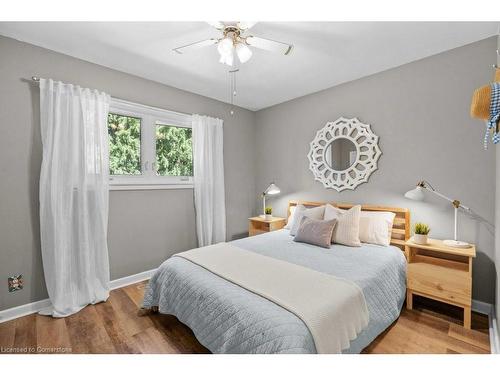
{"x":361,"y":167}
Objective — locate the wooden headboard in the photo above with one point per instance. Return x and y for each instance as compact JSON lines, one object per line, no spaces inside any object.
{"x":400,"y":227}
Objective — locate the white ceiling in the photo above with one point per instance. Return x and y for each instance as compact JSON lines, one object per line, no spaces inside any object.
{"x":325,"y":53}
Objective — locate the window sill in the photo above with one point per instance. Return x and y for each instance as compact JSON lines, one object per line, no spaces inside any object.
{"x":150,"y":187}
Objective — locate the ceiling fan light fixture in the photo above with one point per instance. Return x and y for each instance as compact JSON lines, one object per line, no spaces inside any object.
{"x":227,"y":58}
{"x":225,"y":46}
{"x":244,"y":53}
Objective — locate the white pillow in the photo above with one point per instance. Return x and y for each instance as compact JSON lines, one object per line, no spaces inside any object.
{"x":346,"y":232}
{"x":313,"y":213}
{"x":376,"y":227}
{"x":290,"y":218}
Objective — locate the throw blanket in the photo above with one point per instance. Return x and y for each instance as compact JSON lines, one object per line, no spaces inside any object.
{"x":333,"y":309}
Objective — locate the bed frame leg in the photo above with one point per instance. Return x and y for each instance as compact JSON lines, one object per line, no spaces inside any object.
{"x":409,"y":300}
{"x":467,"y":317}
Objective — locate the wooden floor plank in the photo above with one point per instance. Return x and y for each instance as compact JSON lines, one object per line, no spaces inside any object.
{"x":136,"y":292}
{"x":7,"y":335}
{"x":52,"y":335}
{"x":26,"y":333}
{"x":151,"y":341}
{"x":87,"y":333}
{"x":115,"y":330}
{"x":127,"y":312}
{"x":118,"y":326}
{"x":469,"y":336}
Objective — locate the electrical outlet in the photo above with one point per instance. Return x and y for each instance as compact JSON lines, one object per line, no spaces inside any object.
{"x":15,"y":283}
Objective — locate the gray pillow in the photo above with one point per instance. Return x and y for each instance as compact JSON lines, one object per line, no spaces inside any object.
{"x":315,"y":232}
{"x":301,"y":211}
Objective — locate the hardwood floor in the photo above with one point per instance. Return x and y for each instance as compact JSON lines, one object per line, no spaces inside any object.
{"x":118,"y":326}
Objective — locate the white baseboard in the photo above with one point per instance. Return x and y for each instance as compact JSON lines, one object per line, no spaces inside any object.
{"x":494,"y":333}
{"x":132,"y":279}
{"x":34,"y":307}
{"x":23,"y":310}
{"x":482,"y":307}
{"x":489,"y":309}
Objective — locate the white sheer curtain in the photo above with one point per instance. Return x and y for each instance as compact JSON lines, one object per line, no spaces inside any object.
{"x":209,"y":197}
{"x":74,"y":196}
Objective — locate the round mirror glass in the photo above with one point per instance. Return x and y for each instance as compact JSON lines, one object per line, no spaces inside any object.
{"x":340,"y":154}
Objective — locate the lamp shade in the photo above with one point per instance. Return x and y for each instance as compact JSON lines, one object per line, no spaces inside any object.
{"x":227,"y":59}
{"x":272,"y":189}
{"x":416,"y":194}
{"x":225,"y":46}
{"x":226,"y":51}
{"x":244,"y":53}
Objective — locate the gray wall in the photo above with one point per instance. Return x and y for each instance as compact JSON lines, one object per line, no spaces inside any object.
{"x":421,"y":113}
{"x":145,"y":227}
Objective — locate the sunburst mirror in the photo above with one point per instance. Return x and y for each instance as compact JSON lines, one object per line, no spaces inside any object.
{"x":344,"y":154}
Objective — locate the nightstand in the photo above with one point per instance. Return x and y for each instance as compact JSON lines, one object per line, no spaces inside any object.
{"x":259,"y":225}
{"x":441,"y":273}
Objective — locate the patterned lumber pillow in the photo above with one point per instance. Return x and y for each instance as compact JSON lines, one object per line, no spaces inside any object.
{"x":346,"y":231}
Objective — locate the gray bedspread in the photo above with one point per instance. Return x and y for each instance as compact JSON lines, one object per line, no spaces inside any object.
{"x":229,"y":319}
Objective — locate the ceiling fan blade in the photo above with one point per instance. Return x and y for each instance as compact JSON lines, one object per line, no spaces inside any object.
{"x":269,"y":45}
{"x":196,"y":45}
{"x":245,"y":25}
{"x":219,"y":25}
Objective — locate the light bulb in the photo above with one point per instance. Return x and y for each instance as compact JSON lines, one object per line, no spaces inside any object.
{"x":244,"y":53}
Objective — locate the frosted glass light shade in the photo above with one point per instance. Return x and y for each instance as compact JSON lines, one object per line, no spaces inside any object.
{"x":244,"y":53}
{"x":227,"y":59}
{"x":226,"y":51}
{"x":225,"y":46}
{"x":416,"y":194}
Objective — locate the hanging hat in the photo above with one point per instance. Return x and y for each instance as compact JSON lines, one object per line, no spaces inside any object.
{"x":481,"y":100}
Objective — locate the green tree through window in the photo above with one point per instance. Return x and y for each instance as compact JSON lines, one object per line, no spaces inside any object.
{"x":174,"y":151}
{"x":124,"y":145}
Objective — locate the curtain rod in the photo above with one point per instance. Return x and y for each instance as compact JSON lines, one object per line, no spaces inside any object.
{"x":36,"y":79}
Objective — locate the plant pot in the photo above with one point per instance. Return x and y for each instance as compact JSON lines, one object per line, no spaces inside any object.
{"x":268,"y":217}
{"x":420,"y":239}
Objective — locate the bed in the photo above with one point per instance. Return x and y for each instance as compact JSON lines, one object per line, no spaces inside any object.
{"x":227,"y":318}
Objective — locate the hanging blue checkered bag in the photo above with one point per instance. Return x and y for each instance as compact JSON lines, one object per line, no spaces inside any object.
{"x":494,"y":115}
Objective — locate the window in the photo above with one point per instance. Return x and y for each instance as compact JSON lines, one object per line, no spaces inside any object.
{"x":174,"y":151}
{"x":149,"y":148}
{"x":124,"y":134}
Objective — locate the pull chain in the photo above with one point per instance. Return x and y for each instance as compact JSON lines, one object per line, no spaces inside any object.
{"x":232,"y":89}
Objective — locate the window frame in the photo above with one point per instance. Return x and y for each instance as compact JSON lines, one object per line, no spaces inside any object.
{"x":150,"y":118}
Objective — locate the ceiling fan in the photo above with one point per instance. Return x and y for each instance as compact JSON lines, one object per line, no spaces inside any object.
{"x":235,"y":41}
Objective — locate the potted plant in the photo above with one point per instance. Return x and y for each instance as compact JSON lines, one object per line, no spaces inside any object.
{"x":268,"y":213}
{"x":421,"y":231}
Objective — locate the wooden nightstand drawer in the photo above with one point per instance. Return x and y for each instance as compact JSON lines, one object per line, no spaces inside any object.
{"x":449,"y":285}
